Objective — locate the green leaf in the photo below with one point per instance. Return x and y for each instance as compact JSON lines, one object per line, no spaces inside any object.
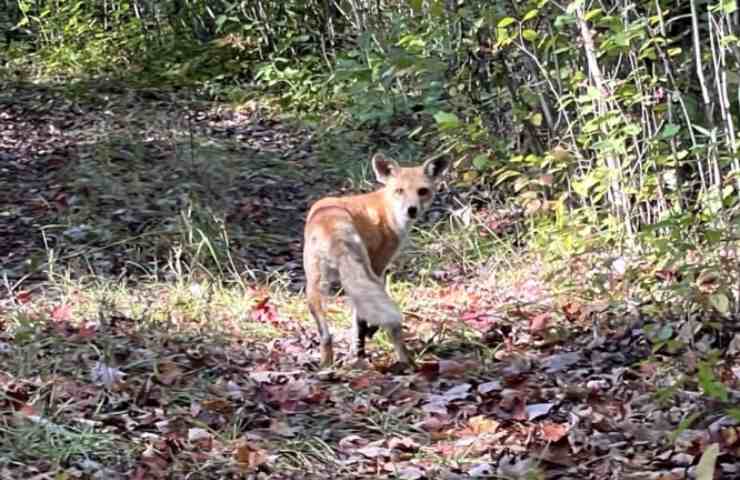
{"x":683,"y":425}
{"x":591,"y":14}
{"x":505,"y":22}
{"x":502,"y":176}
{"x":669,"y":131}
{"x":709,"y":383}
{"x":734,"y":413}
{"x":665,"y":333}
{"x":720,"y":302}
{"x":481,"y":162}
{"x":707,"y":463}
{"x":536,"y":119}
{"x":530,"y":15}
{"x":729,"y":6}
{"x":728,"y":40}
{"x":529,"y":35}
{"x":562,"y":21}
{"x":415,"y":5}
{"x":437,"y":9}
{"x":446,"y":120}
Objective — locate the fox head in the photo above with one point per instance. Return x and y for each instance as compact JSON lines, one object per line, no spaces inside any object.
{"x":408,"y":191}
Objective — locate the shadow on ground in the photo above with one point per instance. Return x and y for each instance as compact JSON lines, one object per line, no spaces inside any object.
{"x":111,"y":181}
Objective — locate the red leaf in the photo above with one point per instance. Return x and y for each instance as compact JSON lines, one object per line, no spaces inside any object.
{"x":452,"y":368}
{"x":429,"y":370}
{"x":89,"y":330}
{"x":62,"y":313}
{"x":554,"y":432}
{"x":264,"y":312}
{"x":538,"y":323}
{"x":573,"y":311}
{"x":360,"y":382}
{"x":24,"y":296}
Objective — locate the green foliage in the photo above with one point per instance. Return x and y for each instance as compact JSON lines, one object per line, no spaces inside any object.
{"x":72,"y":37}
{"x":710,"y":384}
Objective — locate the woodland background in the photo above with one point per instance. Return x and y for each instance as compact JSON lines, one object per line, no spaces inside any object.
{"x":580,"y":263}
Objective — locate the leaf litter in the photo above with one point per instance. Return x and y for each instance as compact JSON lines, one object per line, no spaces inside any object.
{"x":498,"y":394}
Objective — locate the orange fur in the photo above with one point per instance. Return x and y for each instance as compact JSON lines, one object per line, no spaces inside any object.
{"x":353,"y":239}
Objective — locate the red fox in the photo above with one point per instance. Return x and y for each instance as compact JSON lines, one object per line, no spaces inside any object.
{"x":353,"y":239}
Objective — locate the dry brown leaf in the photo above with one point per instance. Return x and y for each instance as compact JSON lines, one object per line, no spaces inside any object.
{"x":248,"y":456}
{"x":539,"y":322}
{"x":218,"y":405}
{"x":481,"y":424}
{"x":168,"y":373}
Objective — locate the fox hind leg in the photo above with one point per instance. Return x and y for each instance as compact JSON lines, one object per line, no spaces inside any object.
{"x":360,"y":331}
{"x":317,"y":288}
{"x":375,"y":309}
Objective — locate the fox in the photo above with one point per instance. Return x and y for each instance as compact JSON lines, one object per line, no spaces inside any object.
{"x":352,"y":240}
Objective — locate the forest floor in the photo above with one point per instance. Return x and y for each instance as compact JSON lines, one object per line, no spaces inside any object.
{"x":152,"y":323}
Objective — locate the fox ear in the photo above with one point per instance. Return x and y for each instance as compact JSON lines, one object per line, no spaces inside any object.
{"x":435,"y":167}
{"x":384,"y":167}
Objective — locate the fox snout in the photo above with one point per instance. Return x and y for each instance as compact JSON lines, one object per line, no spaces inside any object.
{"x":413,"y":212}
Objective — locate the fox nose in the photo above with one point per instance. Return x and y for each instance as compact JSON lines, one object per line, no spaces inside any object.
{"x":413,"y":211}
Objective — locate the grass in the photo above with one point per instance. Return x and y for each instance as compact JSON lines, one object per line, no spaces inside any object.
{"x":187,"y":337}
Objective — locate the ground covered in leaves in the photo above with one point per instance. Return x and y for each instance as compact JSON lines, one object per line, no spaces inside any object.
{"x":148,"y":364}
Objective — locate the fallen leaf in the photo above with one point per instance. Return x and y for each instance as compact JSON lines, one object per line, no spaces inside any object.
{"x":707,"y":462}
{"x":23,"y":296}
{"x":539,"y":322}
{"x":554,"y":432}
{"x":481,"y":424}
{"x":107,"y":375}
{"x":264,"y":311}
{"x":488,"y":387}
{"x":351,"y":443}
{"x":560,"y":361}
{"x":372,"y":451}
{"x":196,"y":434}
{"x":62,"y":313}
{"x":453,"y":368}
{"x":249,"y":457}
{"x":484,"y":470}
{"x":573,"y":311}
{"x":458,"y":392}
{"x":218,"y":405}
{"x":537,"y":410}
{"x":405,"y":444}
{"x":168,"y":373}
{"x":409,"y":473}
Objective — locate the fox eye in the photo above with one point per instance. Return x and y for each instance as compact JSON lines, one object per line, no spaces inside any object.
{"x":423,"y":192}
{"x":399,"y":191}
